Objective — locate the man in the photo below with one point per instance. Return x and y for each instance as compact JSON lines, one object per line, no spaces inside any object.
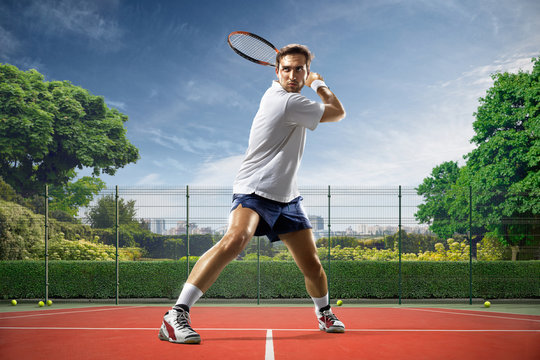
{"x":266,"y":199}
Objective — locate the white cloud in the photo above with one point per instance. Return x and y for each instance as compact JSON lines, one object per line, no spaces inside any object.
{"x":117,"y":104}
{"x":194,"y":145}
{"x":153,"y":93}
{"x":78,"y":17}
{"x":8,"y":43}
{"x":170,"y":163}
{"x":211,"y":93}
{"x":151,"y":179}
{"x":389,"y":147}
{"x":10,"y":52}
{"x":218,"y":172}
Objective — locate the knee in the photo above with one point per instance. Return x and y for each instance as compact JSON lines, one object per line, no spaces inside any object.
{"x":313,"y":269}
{"x":234,"y":242}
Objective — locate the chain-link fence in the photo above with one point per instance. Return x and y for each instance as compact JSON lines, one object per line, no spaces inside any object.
{"x":374,"y":242}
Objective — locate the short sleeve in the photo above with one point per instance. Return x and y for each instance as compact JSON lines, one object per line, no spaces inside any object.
{"x":304,"y":112}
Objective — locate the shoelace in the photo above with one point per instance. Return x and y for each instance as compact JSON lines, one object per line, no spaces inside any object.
{"x":184,"y":319}
{"x":329,"y":315}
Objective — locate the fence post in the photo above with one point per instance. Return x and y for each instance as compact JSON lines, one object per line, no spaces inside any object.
{"x":399,"y":243}
{"x":187,"y":231}
{"x":258,"y":270}
{"x":116,"y":227}
{"x":470,"y":245}
{"x":329,"y":241}
{"x":46,"y":243}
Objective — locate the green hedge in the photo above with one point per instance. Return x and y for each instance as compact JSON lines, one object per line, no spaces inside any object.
{"x":348,"y":279}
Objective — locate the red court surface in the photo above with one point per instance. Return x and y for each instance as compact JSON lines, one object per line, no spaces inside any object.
{"x":130,"y":332}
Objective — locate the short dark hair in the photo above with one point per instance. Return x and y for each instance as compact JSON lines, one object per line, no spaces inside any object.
{"x":294,"y":49}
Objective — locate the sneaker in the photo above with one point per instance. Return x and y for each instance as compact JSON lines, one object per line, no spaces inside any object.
{"x":329,"y":322}
{"x":176,"y":328}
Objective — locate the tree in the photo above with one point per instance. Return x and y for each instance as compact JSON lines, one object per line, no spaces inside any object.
{"x":435,"y":190}
{"x":265,"y":247}
{"x":343,"y":241}
{"x":411,"y":243}
{"x":503,"y":171}
{"x":49,"y":129}
{"x":102,"y":215}
{"x":75,"y":194}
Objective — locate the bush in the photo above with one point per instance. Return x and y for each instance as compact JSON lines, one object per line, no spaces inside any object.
{"x":21,"y":232}
{"x":253,"y":257}
{"x":347,"y":279}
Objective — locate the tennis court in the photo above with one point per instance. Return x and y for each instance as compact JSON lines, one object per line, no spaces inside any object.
{"x":268,"y":332}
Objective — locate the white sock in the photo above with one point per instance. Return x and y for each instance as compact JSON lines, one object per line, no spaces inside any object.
{"x":320,"y":302}
{"x":189,"y":295}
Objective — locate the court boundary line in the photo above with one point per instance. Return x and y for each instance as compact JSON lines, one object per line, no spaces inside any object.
{"x":475,"y":314}
{"x":269,"y":346}
{"x":64,"y":312}
{"x":269,"y":332}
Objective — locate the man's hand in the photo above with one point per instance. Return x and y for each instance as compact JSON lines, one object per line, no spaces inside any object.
{"x":312,"y":77}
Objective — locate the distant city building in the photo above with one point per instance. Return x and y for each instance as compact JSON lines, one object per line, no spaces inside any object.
{"x":317,"y":222}
{"x":158,"y":226}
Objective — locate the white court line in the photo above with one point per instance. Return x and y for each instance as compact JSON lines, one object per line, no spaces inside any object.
{"x":64,"y":312}
{"x":269,"y":332}
{"x":269,"y":350}
{"x":472,"y":314}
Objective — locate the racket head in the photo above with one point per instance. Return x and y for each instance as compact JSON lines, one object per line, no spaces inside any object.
{"x":253,"y":48}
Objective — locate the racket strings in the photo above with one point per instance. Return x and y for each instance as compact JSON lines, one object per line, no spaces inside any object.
{"x":253,"y":48}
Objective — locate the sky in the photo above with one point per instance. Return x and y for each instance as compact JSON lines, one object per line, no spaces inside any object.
{"x":409,"y":74}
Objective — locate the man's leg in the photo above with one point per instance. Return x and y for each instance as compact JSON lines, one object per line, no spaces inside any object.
{"x":242,"y":225}
{"x":301,"y":245}
{"x":176,"y":326}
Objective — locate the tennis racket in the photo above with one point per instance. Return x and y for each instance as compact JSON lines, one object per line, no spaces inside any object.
{"x":253,"y":48}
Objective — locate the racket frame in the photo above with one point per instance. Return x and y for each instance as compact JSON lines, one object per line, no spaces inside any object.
{"x":247,"y":57}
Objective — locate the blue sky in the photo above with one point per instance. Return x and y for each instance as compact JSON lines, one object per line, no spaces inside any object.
{"x":409,"y":74}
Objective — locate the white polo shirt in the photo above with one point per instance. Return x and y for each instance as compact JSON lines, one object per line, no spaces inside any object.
{"x":276,"y":144}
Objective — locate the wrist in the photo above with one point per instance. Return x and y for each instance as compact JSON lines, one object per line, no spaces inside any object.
{"x":316,"y":84}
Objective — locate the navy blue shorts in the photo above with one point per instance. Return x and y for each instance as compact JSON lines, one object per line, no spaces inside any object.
{"x":276,"y":217}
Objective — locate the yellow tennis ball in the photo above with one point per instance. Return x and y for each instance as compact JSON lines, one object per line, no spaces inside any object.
{"x":339,"y":303}
{"x":49,"y":302}
{"x":41,"y":304}
{"x":487,"y":304}
{"x":13,"y":302}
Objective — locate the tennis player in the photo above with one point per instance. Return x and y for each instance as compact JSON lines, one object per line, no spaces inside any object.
{"x":266,"y":200}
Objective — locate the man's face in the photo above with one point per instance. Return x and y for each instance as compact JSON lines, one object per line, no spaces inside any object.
{"x":292,"y":72}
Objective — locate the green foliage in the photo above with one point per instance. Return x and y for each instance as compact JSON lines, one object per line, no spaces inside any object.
{"x":21,"y":232}
{"x":491,"y":248}
{"x":435,"y":209}
{"x":73,"y":195}
{"x":411,"y":242}
{"x":453,"y":250}
{"x":47,"y":129}
{"x":265,"y":247}
{"x":503,"y":171}
{"x":22,"y":237}
{"x":343,"y":241}
{"x":62,"y":249}
{"x":6,"y":191}
{"x":253,"y":257}
{"x":103,"y":214}
{"x":348,"y":279}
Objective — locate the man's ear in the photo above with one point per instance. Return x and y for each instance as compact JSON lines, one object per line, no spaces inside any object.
{"x":277,"y":70}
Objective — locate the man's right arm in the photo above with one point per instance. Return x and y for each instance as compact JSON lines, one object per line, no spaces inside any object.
{"x":333,"y":109}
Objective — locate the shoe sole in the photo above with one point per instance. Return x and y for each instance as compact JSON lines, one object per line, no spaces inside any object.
{"x":335,"y":330}
{"x":191,"y":340}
